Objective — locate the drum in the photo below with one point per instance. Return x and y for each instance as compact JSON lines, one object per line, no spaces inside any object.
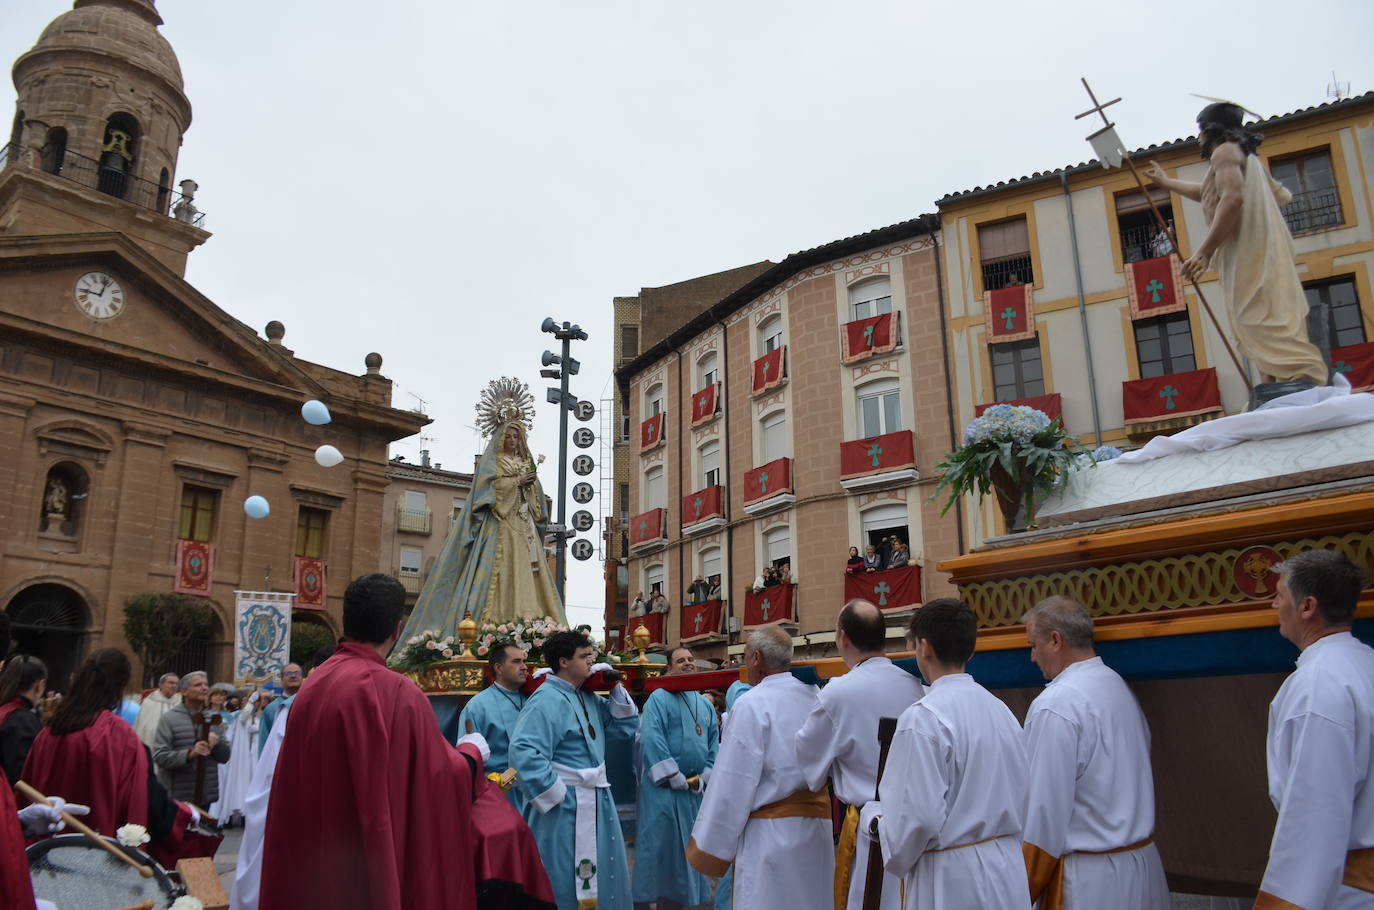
{"x":74,"y":874}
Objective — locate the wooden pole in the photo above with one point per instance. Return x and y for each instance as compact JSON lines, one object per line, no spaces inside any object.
{"x":78,"y":825}
{"x":873,"y":878}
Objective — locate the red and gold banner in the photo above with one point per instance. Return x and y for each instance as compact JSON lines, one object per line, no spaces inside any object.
{"x":310,"y":583}
{"x":195,"y":567}
{"x":701,"y":620}
{"x":768,"y":480}
{"x":891,"y":589}
{"x":1009,"y":314}
{"x":651,"y":432}
{"x":878,"y":455}
{"x":646,"y":527}
{"x":769,"y":370}
{"x":703,"y":504}
{"x":1155,"y":286}
{"x":1050,"y":405}
{"x":866,"y":337}
{"x":704,"y":405}
{"x":770,"y":605}
{"x":1356,"y":363}
{"x":1170,"y":395}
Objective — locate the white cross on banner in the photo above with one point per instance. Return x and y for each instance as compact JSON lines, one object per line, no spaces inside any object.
{"x":262,"y":635}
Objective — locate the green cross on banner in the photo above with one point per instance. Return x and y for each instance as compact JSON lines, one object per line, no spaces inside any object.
{"x":767,"y":365}
{"x":1153,"y":289}
{"x":701,"y":402}
{"x":698,"y":620}
{"x":1168,"y":393}
{"x":766,"y":606}
{"x":696,"y":506}
{"x":875,"y":450}
{"x":868,"y":336}
{"x":1343,"y":367}
{"x":643,"y":527}
{"x":763,"y":481}
{"x":651,"y":432}
{"x":1010,"y":316}
{"x":882,"y":590}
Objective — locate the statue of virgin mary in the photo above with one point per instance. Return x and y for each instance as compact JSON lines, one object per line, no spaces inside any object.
{"x":493,"y":561}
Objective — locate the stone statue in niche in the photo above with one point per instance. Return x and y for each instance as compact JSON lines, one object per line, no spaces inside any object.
{"x":57,"y":503}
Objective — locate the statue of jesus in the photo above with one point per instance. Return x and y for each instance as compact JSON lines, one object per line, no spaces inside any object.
{"x":1250,"y":246}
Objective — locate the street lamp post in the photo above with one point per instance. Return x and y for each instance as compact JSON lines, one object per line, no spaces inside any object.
{"x":566,"y":333}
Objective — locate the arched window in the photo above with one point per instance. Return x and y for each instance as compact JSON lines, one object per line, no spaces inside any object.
{"x":777,"y":546}
{"x":770,"y":333}
{"x":117,"y":155}
{"x":708,"y":370}
{"x":888,"y":520}
{"x":773,"y":437}
{"x":870,"y":298}
{"x":879,"y":407}
{"x":653,"y":400}
{"x":710,"y":565}
{"x":654,"y":579}
{"x":65,"y":491}
{"x":164,"y":191}
{"x":655,"y":491}
{"x":54,"y":152}
{"x":710,"y":462}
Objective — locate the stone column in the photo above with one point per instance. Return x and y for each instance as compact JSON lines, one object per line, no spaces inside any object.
{"x":135,"y":548}
{"x":266,"y":541}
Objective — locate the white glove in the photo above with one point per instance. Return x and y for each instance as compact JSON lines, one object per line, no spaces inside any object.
{"x":40,"y":818}
{"x":598,"y":668}
{"x":678,"y":781}
{"x":705,"y":778}
{"x":542,"y":671}
{"x":871,"y":812}
{"x":480,"y":741}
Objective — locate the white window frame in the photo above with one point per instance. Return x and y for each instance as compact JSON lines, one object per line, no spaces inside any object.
{"x":770,"y":334}
{"x":419,"y":562}
{"x":710,"y":556}
{"x":653,"y":400}
{"x":777,"y":544}
{"x":776,"y":421}
{"x":885,"y":517}
{"x":865,"y":301}
{"x":886,"y":396}
{"x":655,"y":574}
{"x":409,"y":500}
{"x":708,"y":369}
{"x":709,"y":455}
{"x":655,"y":488}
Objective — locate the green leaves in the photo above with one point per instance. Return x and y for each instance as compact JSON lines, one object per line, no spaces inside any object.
{"x":1039,"y":464}
{"x":159,"y":624}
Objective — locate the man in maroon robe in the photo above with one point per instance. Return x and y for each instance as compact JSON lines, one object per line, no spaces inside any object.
{"x":370,"y":807}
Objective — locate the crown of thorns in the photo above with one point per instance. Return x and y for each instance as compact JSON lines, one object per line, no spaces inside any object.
{"x":505,"y":400}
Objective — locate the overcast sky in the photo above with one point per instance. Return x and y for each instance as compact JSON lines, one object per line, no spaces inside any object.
{"x":429,"y":180}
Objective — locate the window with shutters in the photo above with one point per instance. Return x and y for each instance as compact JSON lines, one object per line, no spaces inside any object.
{"x":870,"y":298}
{"x":629,"y":342}
{"x":1316,"y":203}
{"x":1333,"y":308}
{"x":773,"y":437}
{"x":1016,"y":369}
{"x":1164,"y":344}
{"x":1006,"y":254}
{"x":710,"y":463}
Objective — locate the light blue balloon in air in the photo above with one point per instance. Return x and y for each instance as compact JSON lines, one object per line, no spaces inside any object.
{"x":256,"y":507}
{"x":315,"y":412}
{"x":328,"y":456}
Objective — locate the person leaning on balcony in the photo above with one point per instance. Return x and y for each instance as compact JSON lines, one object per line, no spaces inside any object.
{"x":1320,"y":747}
{"x":855,"y":565}
{"x":873,"y":561}
{"x":638,"y":607}
{"x":699,"y":591}
{"x":900,"y":554}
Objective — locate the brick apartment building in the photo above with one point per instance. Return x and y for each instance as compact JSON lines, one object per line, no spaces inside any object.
{"x":421,"y":504}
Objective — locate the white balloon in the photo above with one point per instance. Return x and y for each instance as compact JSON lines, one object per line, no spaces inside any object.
{"x":315,"y":412}
{"x":328,"y":456}
{"x":256,"y":507}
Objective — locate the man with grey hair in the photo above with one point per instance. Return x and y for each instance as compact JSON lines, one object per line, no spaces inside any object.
{"x":181,"y":754}
{"x":758,"y":812}
{"x":1321,"y":743}
{"x":157,"y":703}
{"x":1092,"y":798}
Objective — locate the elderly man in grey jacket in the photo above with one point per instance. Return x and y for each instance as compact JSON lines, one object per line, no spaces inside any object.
{"x":177,"y":746}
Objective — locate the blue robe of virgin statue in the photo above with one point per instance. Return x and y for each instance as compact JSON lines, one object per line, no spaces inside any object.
{"x":558,"y":751}
{"x":678,"y":734}
{"x":493,"y":561}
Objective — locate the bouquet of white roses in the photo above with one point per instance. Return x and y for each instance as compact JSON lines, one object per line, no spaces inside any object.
{"x":528,"y":633}
{"x":419,"y":651}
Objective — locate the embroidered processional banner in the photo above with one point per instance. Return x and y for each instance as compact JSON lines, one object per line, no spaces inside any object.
{"x":310,"y":582}
{"x":195,"y":568}
{"x":262,"y":635}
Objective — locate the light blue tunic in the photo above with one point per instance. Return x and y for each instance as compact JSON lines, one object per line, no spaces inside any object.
{"x":493,"y":713}
{"x":678,"y":733}
{"x":269,"y":716}
{"x":727,"y":881}
{"x":553,"y":728}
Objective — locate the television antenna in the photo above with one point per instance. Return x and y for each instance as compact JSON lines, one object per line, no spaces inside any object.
{"x":1337,"y":89}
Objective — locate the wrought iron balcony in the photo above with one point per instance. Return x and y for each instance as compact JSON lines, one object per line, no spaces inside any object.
{"x":413,"y":522}
{"x":1314,"y":210}
{"x":411,"y":581}
{"x":135,"y":190}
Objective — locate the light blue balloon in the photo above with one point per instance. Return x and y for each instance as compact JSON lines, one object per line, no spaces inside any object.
{"x":256,"y":507}
{"x":315,"y":412}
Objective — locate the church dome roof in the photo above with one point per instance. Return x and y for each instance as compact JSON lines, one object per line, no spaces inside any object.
{"x":126,"y":29}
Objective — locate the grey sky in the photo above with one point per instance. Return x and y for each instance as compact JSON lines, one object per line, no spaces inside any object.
{"x":430,"y":179}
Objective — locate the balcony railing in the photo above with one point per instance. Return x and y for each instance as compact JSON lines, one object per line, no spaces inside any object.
{"x":410,"y":581}
{"x":1144,"y":241}
{"x":414,"y":522}
{"x":1313,"y":210}
{"x":135,"y":190}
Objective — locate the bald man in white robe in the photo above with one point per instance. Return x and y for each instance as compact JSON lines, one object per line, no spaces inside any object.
{"x":758,"y":812}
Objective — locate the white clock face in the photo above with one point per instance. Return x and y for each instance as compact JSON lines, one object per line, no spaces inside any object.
{"x":99,"y":296}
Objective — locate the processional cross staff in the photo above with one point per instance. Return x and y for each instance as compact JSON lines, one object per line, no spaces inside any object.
{"x":204,"y":721}
{"x":1112,"y":153}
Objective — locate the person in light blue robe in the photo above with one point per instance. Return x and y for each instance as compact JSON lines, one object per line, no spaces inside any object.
{"x":494,"y":711}
{"x":678,"y":739}
{"x":558,"y":750}
{"x":727,"y":881}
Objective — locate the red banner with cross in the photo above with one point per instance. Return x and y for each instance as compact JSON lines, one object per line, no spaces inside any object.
{"x":866,"y":337}
{"x":892,"y":589}
{"x":195,"y":567}
{"x":655,"y":623}
{"x":768,"y":370}
{"x":1171,"y":395}
{"x":310,"y":591}
{"x":1051,"y":405}
{"x":1009,"y":314}
{"x":703,"y":504}
{"x":701,"y":620}
{"x":646,"y":527}
{"x":704,"y":405}
{"x":651,"y":432}
{"x":1155,"y":286}
{"x":877,"y":455}
{"x":770,"y":605}
{"x":1356,"y":363}
{"x":768,"y":480}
